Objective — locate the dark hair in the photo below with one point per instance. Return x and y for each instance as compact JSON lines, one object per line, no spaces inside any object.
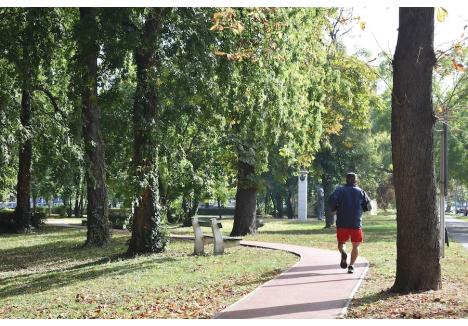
{"x":351,"y":178}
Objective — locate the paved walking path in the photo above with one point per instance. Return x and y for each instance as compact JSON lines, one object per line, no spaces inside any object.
{"x":315,"y":287}
{"x":457,"y":230}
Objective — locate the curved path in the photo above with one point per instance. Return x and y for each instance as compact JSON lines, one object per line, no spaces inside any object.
{"x":315,"y":287}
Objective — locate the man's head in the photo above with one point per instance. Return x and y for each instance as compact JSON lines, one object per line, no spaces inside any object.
{"x":351,"y":178}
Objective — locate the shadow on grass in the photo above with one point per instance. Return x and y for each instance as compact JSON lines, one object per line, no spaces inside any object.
{"x":372,"y":298}
{"x":54,"y":252}
{"x":56,"y":279}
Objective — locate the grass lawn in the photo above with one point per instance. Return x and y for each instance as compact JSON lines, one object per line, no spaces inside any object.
{"x":48,"y":275}
{"x":372,"y":299}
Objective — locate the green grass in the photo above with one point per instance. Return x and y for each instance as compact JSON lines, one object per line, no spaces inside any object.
{"x":373,"y":299}
{"x":48,"y":275}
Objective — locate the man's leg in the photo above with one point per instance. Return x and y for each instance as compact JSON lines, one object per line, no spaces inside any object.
{"x":344,"y":256}
{"x":342,"y":247}
{"x":354,"y":252}
{"x":342,"y":236}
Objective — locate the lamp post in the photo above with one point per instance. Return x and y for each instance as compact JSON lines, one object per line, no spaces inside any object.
{"x":302,"y":195}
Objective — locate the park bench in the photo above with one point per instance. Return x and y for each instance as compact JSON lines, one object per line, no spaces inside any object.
{"x":220,"y":242}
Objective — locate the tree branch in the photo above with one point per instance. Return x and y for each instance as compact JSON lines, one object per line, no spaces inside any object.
{"x":52,"y":100}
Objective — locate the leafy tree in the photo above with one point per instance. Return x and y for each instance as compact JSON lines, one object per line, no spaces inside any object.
{"x":97,"y":210}
{"x":148,"y":234}
{"x":269,"y":86}
{"x":27,"y":37}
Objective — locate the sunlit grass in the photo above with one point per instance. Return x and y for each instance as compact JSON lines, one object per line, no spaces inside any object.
{"x":373,"y":299}
{"x":48,"y":275}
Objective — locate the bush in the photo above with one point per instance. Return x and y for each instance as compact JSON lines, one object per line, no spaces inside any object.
{"x":38,"y":219}
{"x":216,"y":211}
{"x":42,"y":209}
{"x":7,"y":220}
{"x":119,"y":218}
{"x":60,"y":210}
{"x":7,"y":216}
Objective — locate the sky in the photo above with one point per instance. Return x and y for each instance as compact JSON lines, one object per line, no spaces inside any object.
{"x":381,"y":30}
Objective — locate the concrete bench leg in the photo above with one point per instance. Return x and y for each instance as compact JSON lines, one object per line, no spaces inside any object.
{"x":199,"y":247}
{"x":218,"y":238}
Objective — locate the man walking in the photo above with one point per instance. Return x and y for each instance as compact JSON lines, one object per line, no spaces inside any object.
{"x":349,"y":201}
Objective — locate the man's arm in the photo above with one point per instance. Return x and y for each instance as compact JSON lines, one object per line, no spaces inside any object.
{"x":366,"y":203}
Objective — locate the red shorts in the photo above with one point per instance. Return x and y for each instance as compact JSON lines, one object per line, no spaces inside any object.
{"x":342,"y":235}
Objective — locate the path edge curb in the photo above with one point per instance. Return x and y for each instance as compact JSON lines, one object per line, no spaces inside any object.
{"x":258,"y":287}
{"x":344,"y":311}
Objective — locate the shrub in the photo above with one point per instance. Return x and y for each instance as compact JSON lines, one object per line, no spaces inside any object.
{"x":60,"y":210}
{"x":38,"y":219}
{"x":119,"y":218}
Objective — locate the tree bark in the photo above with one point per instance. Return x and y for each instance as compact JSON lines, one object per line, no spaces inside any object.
{"x":327,"y":184}
{"x":246,"y":197}
{"x":289,"y":204}
{"x":76,"y":206}
{"x":418,"y":265}
{"x":23,"y":204}
{"x":97,"y":211}
{"x":148,"y":234}
{"x":279,"y":205}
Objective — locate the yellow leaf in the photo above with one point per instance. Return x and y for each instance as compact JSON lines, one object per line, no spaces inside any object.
{"x":362,"y":24}
{"x":441,"y":14}
{"x":458,"y":66}
{"x":217,"y":27}
{"x":220,"y":53}
{"x":240,"y":27}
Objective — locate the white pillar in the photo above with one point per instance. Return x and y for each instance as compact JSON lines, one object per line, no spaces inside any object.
{"x":302,"y":196}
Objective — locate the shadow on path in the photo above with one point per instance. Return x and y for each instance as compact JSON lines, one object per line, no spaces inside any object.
{"x":283,"y":310}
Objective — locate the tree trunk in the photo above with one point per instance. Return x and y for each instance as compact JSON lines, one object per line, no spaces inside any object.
{"x":279,"y":205}
{"x":246,"y":196}
{"x":97,"y":211}
{"x":273,"y":203}
{"x":76,"y":206}
{"x":418,"y":247}
{"x":186,"y":203}
{"x":327,"y":184}
{"x":34,"y":199}
{"x":289,"y":204}
{"x":82,"y":204}
{"x":23,"y":204}
{"x":148,"y":234}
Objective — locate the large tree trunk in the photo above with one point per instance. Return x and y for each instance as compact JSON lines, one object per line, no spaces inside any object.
{"x":246,"y":196}
{"x":23,"y":204}
{"x":97,"y":221}
{"x":148,"y":234}
{"x":418,"y":265}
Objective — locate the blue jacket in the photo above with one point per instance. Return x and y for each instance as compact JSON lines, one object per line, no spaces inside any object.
{"x":349,"y":202}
